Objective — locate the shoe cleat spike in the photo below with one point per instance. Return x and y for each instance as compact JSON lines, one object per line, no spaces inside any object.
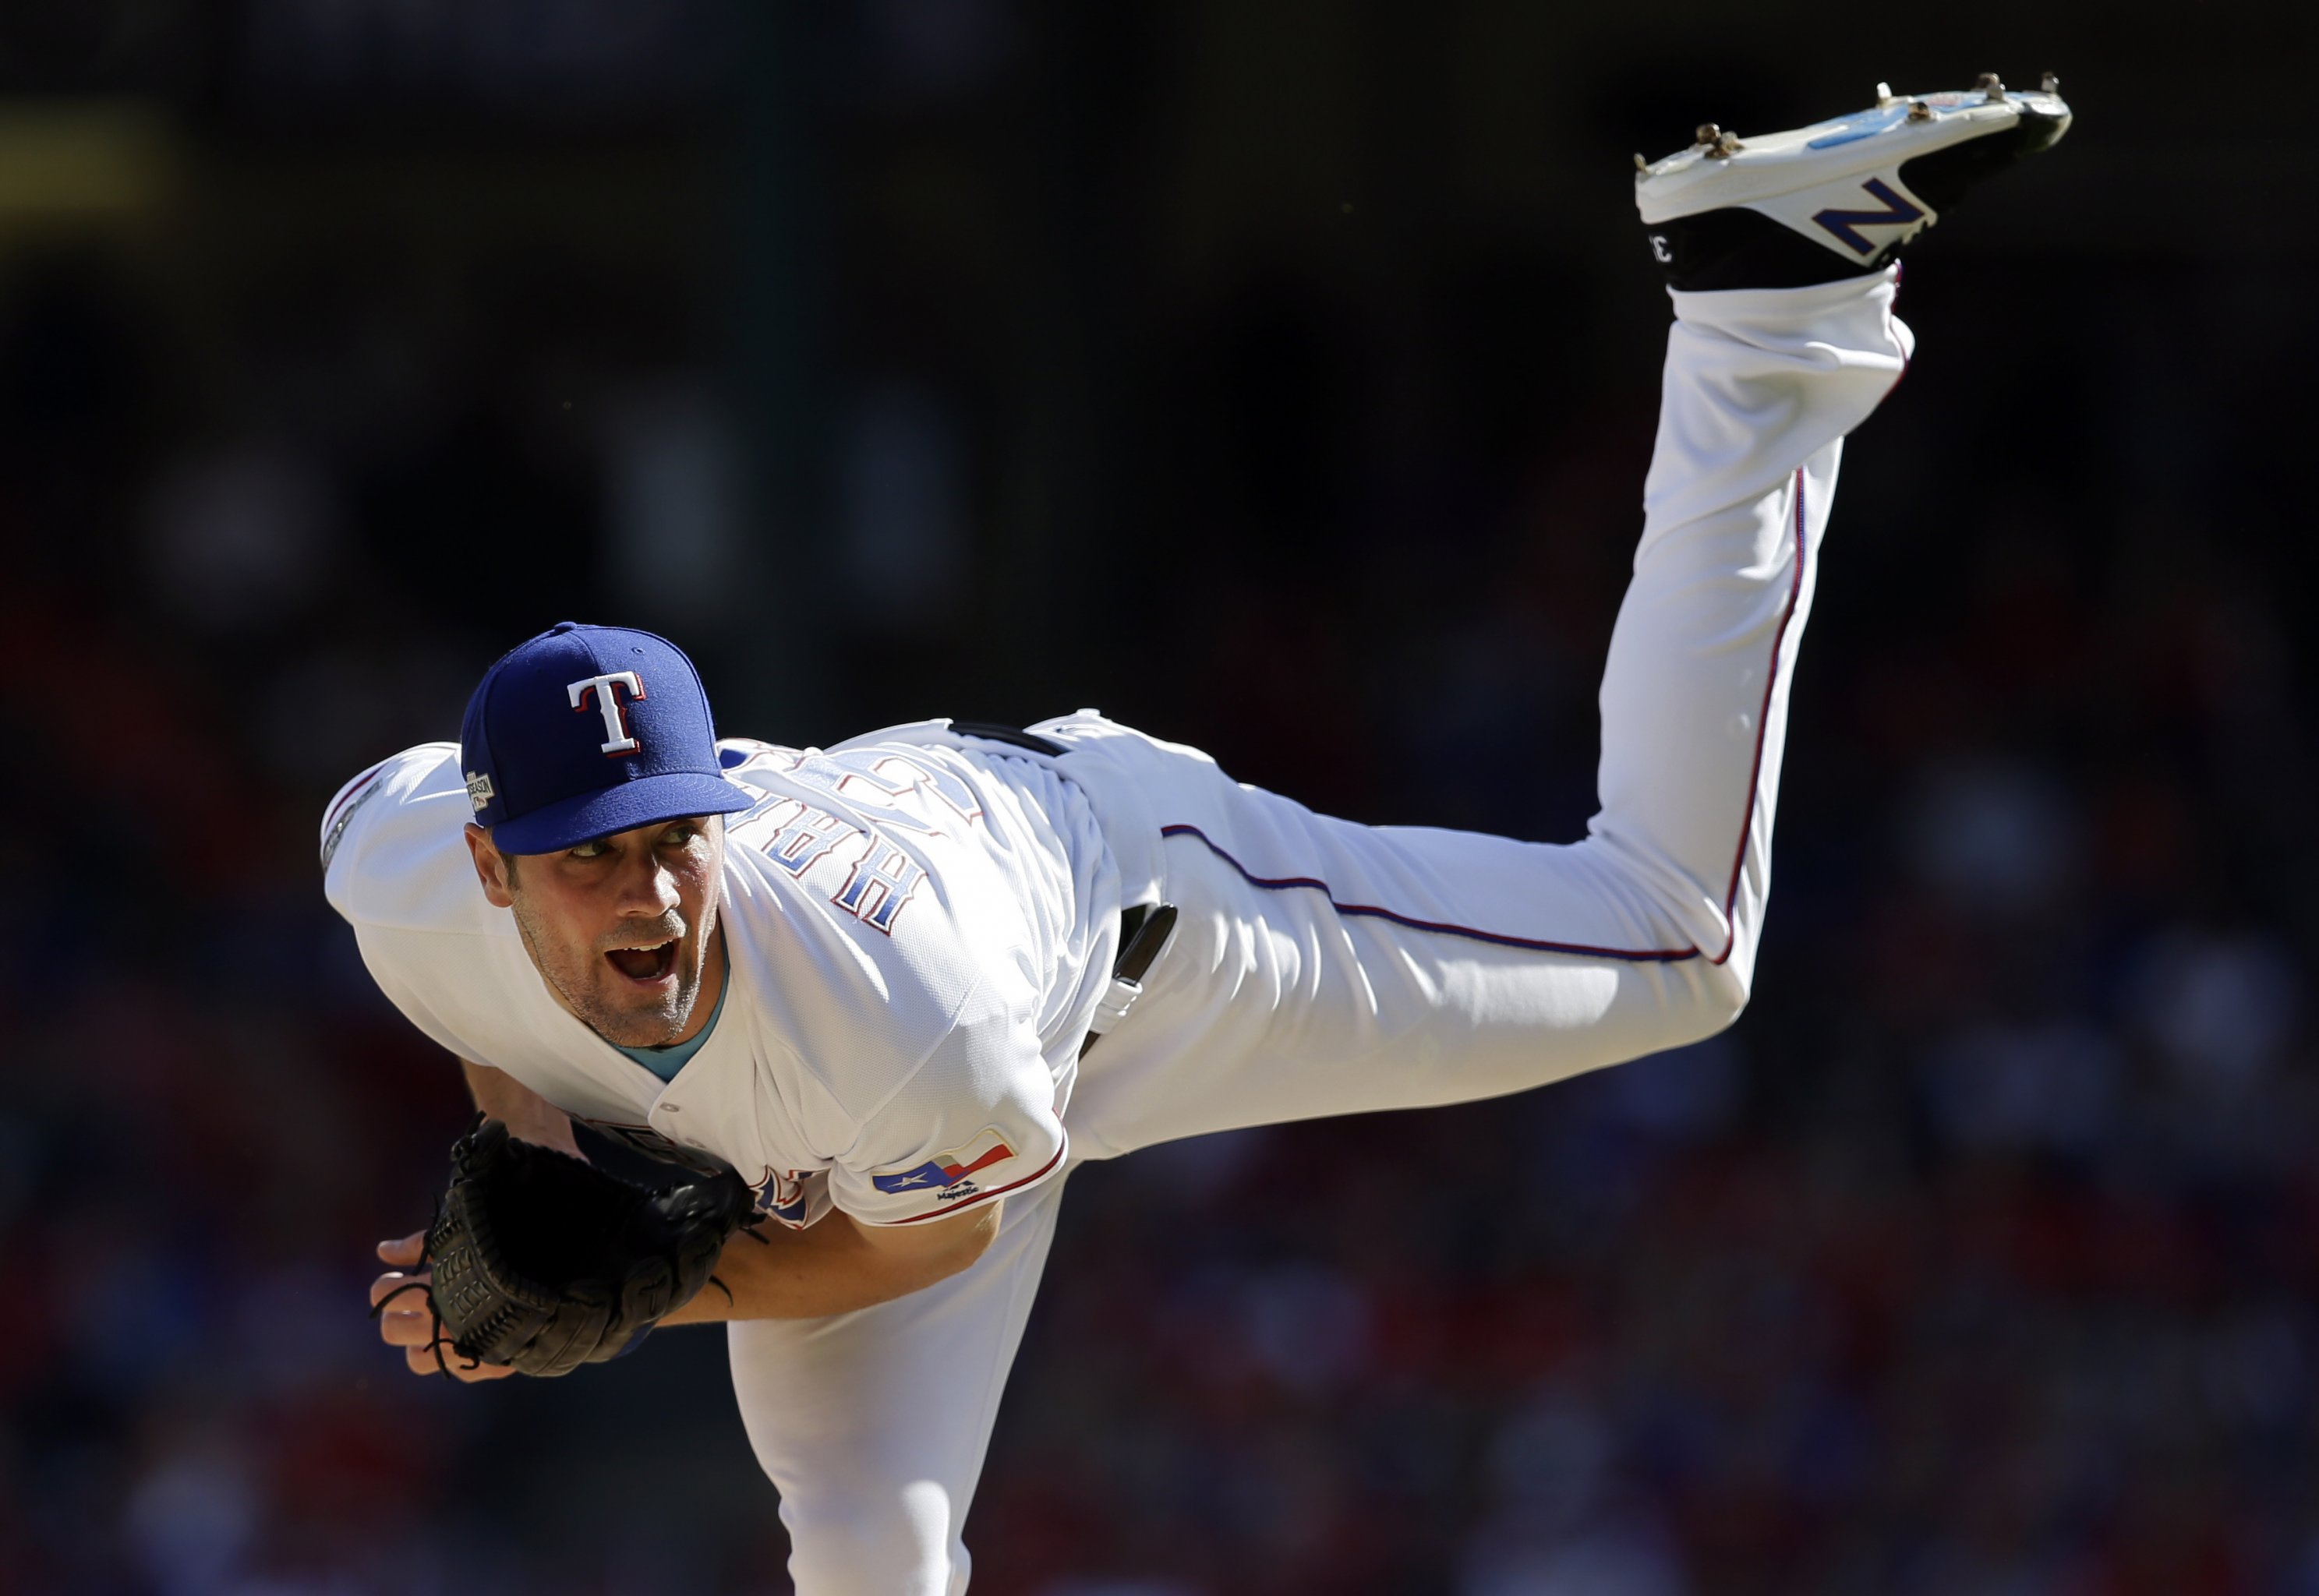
{"x":1719,"y":143}
{"x":1920,"y":112}
{"x":1992,"y":87}
{"x":2051,"y":83}
{"x":1884,"y":96}
{"x":1641,"y":164}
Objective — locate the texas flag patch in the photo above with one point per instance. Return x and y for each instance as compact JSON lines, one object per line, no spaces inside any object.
{"x":951,"y":1173}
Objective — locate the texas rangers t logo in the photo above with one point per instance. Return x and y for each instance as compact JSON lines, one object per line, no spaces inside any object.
{"x":606,"y":691}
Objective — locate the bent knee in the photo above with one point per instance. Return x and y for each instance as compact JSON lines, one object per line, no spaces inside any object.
{"x":1709,"y":999}
{"x":1725,"y":999}
{"x":904,"y":1545}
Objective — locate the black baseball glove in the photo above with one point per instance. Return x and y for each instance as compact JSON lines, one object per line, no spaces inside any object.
{"x":543,"y":1262}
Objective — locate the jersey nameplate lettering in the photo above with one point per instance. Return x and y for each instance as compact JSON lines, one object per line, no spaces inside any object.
{"x":882,"y":877}
{"x":805,"y":836}
{"x":889,"y":790}
{"x":880,"y":884}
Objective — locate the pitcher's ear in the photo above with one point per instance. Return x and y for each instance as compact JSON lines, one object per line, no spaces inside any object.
{"x":493,"y":868}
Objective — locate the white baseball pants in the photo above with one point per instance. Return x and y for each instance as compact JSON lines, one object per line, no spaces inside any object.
{"x":1321,"y":967}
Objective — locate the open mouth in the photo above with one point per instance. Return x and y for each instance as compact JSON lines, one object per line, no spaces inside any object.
{"x":645,"y":964}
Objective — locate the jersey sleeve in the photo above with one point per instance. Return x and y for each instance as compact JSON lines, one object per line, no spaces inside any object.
{"x":976,"y":1119}
{"x":391,"y":846}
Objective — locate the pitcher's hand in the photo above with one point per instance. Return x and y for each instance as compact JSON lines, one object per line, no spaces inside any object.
{"x":407,"y":1321}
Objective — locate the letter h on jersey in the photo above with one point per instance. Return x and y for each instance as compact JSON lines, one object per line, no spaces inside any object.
{"x":881,"y":882}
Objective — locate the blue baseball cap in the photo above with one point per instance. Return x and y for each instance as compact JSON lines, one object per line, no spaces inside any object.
{"x":585,"y":731}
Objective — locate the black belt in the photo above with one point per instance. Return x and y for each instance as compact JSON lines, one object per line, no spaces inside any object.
{"x":1143,"y":931}
{"x":991,"y":732}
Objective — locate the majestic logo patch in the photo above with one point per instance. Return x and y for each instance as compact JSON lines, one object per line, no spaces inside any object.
{"x":479,"y":791}
{"x":602,"y":693}
{"x":950,"y":1173}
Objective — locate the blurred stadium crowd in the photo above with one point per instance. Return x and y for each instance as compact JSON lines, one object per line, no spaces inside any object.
{"x":1281,"y":383}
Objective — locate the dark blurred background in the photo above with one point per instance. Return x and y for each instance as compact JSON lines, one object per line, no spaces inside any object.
{"x":1277,"y":375}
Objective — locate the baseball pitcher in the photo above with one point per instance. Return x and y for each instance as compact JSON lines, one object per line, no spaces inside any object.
{"x":872,"y":1004}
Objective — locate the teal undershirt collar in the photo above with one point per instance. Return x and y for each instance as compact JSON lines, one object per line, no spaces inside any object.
{"x":664,"y":1062}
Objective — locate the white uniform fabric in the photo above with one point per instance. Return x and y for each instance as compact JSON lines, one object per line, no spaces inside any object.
{"x":915,"y":939}
{"x":1317,"y":967}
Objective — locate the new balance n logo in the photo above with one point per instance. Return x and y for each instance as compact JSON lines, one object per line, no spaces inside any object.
{"x":1846,"y":225}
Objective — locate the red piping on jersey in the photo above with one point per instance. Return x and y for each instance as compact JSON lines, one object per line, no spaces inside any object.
{"x":1580,"y":950}
{"x":1763,"y":725}
{"x":979,"y":1196}
{"x":1279,"y":883}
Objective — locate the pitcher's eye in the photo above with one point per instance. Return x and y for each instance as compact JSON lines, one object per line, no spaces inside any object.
{"x":593,"y":848}
{"x":682,"y":833}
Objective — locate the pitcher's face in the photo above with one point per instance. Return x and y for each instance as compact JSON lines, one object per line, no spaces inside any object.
{"x":618,"y":926}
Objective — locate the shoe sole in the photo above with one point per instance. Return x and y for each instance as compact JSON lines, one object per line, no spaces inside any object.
{"x":1878,"y":140}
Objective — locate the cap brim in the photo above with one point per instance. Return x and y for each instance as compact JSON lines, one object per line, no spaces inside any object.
{"x":648,"y":800}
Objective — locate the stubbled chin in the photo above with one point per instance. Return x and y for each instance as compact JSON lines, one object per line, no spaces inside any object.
{"x":634,"y":1019}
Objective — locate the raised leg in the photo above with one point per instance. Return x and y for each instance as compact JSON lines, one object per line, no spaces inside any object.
{"x":1321,"y":967}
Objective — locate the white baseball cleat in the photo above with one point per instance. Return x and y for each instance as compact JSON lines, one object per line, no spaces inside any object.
{"x":1837,"y":198}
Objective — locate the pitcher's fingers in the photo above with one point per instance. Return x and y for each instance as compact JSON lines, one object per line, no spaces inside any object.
{"x":408,"y":1329}
{"x":421,"y":1359}
{"x":406,"y":1253}
{"x":411,"y":1301}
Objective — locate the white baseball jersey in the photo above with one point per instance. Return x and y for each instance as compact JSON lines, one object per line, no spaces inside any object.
{"x":916,"y":938}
